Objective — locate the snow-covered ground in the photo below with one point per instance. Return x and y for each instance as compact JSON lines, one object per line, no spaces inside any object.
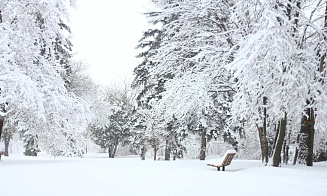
{"x":97,"y":175}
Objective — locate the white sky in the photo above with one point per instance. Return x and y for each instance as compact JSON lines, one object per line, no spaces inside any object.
{"x":105,"y":34}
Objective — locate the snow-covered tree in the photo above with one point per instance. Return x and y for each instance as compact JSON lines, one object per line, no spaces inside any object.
{"x":30,"y":144}
{"x":149,"y":86}
{"x":32,"y":91}
{"x":112,"y":128}
{"x":79,"y":83}
{"x":242,"y":67}
{"x":195,"y":44}
{"x":276,"y":70}
{"x":115,"y":132}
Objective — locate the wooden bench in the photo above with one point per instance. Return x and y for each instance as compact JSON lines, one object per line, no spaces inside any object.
{"x":2,"y":153}
{"x":225,"y":161}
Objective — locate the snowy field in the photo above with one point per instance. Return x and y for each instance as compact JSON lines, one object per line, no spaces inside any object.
{"x":97,"y":175}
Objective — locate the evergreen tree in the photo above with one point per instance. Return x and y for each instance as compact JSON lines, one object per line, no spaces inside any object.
{"x":112,"y":128}
{"x":150,"y":86}
{"x":195,"y":47}
{"x":116,"y":132}
{"x":30,"y":144}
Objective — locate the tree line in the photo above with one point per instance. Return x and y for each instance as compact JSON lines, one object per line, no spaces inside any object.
{"x":248,"y":73}
{"x":244,"y":71}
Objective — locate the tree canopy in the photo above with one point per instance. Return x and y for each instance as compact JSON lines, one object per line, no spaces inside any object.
{"x":33,"y":95}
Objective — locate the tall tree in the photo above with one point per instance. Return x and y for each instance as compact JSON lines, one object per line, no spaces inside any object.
{"x":149,"y":87}
{"x":195,"y":47}
{"x":276,"y":62}
{"x":32,"y":91}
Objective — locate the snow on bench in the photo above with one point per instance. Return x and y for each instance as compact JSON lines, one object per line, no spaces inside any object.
{"x":224,"y":161}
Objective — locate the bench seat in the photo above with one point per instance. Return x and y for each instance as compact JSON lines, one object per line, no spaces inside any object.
{"x":223,"y":162}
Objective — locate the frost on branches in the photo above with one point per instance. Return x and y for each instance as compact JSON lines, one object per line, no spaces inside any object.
{"x":279,"y":68}
{"x":32,"y":92}
{"x":111,"y":127}
{"x":190,"y":50}
{"x":240,"y":67}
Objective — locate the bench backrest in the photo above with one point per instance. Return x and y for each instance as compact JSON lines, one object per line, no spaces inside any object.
{"x":228,"y":159}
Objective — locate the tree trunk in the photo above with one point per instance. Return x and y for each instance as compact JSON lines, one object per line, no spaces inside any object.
{"x":6,"y":148}
{"x":306,"y":138}
{"x":261,"y":140}
{"x":143,"y":152}
{"x":167,"y":151}
{"x":86,"y":149}
{"x":1,"y":126}
{"x":296,"y":155}
{"x":6,"y":138}
{"x":0,"y":16}
{"x":110,"y":151}
{"x":311,"y":138}
{"x":279,"y":143}
{"x":265,"y":130}
{"x":285,"y":153}
{"x":303,"y":138}
{"x":203,"y":145}
{"x":263,"y":135}
{"x":155,"y":149}
{"x":115,"y":150}
{"x":277,"y":130}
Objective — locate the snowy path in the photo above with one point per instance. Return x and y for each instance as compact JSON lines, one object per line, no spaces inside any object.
{"x":40,"y":176}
